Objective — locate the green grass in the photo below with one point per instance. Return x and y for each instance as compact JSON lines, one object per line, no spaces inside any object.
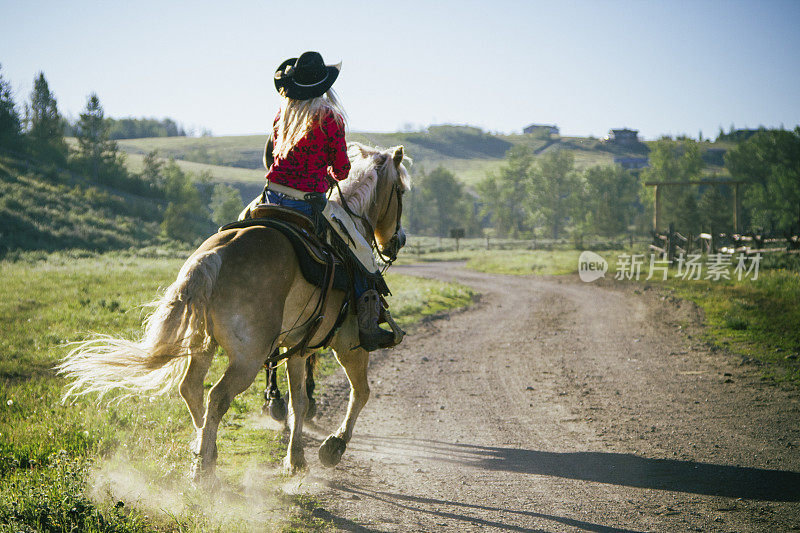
{"x":415,"y":298}
{"x":49,"y":208}
{"x":244,"y":151}
{"x":122,"y":467}
{"x":756,"y":319}
{"x":539,"y":262}
{"x":466,"y":152}
{"x":218,"y":173}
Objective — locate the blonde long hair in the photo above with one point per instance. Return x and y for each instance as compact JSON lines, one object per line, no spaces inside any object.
{"x":298,"y":117}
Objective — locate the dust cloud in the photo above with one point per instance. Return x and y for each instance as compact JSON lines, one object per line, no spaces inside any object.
{"x":256,"y":503}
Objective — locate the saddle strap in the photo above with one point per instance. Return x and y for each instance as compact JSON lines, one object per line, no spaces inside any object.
{"x":317,"y":316}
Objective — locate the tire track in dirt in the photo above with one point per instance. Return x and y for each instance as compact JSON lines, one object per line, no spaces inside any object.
{"x":554,"y":405}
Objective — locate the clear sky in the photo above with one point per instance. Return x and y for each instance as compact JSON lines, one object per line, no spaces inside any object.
{"x":660,"y":67}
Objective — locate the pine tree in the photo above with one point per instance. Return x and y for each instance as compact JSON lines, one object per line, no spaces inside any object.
{"x":10,"y":128}
{"x":98,"y":155}
{"x":45,"y":125}
{"x":151,"y":174}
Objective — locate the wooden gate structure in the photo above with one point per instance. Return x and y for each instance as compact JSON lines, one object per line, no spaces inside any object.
{"x":714,"y":182}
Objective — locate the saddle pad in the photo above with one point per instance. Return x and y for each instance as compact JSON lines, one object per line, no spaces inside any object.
{"x":312,"y":265}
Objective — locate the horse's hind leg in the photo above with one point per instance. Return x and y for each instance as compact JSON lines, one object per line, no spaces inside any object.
{"x":237,"y":377}
{"x":298,"y":403}
{"x":191,"y":387}
{"x":355,"y":364}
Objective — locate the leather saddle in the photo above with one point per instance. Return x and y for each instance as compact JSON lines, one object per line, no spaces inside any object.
{"x":319,"y":264}
{"x":278,"y":212}
{"x":323,"y":263}
{"x":312,"y":254}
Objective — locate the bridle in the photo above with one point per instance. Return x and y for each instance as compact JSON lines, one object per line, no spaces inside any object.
{"x":388,"y":253}
{"x":398,"y":239}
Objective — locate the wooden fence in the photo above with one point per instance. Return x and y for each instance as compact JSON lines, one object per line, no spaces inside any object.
{"x":672,"y":243}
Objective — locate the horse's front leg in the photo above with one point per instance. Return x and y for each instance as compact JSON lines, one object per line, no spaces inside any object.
{"x":273,"y":401}
{"x":311,"y":364}
{"x":355,"y":364}
{"x":298,"y":403}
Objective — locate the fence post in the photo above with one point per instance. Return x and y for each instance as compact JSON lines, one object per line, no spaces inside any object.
{"x":671,"y":242}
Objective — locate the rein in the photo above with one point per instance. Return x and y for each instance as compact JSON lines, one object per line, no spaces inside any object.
{"x":373,"y":242}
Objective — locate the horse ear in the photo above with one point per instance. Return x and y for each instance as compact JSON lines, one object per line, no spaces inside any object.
{"x":398,"y":155}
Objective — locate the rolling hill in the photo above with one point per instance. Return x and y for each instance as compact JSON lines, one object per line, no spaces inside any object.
{"x":43,"y":208}
{"x":466,"y":151}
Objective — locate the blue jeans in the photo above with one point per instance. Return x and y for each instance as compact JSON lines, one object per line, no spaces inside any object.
{"x":276,"y":198}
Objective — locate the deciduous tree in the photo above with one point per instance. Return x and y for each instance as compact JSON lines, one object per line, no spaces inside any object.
{"x":554,"y":191}
{"x":675,"y":160}
{"x":770,"y":161}
{"x":505,"y":195}
{"x":226,"y":204}
{"x":611,"y":199}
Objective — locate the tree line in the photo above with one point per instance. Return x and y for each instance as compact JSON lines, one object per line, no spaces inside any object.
{"x":547,"y":197}
{"x":136,"y":128}
{"x":190,"y":206}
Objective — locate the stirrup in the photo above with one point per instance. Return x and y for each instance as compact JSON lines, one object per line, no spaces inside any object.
{"x":375,"y":340}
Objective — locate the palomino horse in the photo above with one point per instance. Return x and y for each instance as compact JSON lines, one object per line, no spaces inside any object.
{"x":243,"y":290}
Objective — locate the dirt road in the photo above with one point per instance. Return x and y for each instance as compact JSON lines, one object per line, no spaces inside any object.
{"x":556,"y":405}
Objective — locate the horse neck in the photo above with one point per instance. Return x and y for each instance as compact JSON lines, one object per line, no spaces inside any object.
{"x":362,"y":212}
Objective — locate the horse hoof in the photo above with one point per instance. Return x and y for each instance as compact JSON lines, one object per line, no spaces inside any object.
{"x":277,"y":409}
{"x":293,"y":467}
{"x":203,"y":478}
{"x":312,"y":408}
{"x":331,"y":451}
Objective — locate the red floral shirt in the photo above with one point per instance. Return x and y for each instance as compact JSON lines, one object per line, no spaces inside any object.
{"x":322,"y":152}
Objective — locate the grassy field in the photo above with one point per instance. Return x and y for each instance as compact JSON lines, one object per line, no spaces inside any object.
{"x":218,"y":173}
{"x":756,"y":319}
{"x":48,"y":208}
{"x":467,"y":152}
{"x":122,"y":467}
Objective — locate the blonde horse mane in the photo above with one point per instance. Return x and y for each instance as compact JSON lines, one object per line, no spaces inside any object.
{"x":367,"y":163}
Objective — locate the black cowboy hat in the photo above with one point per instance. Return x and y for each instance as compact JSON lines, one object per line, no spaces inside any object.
{"x":305,"y":77}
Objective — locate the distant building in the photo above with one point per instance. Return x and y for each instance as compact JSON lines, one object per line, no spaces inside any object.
{"x":631,"y":163}
{"x":623,"y":136}
{"x":541,"y":128}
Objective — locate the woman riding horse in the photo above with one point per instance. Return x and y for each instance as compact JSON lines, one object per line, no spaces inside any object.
{"x":243,"y":290}
{"x":306,"y":149}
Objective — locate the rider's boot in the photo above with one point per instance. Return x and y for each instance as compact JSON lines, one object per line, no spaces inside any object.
{"x":370,"y":335}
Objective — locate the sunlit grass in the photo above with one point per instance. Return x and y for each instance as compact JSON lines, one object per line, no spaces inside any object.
{"x":756,"y":319}
{"x":122,"y":466}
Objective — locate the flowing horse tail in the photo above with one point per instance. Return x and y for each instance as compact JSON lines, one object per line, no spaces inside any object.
{"x":179,"y":326}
